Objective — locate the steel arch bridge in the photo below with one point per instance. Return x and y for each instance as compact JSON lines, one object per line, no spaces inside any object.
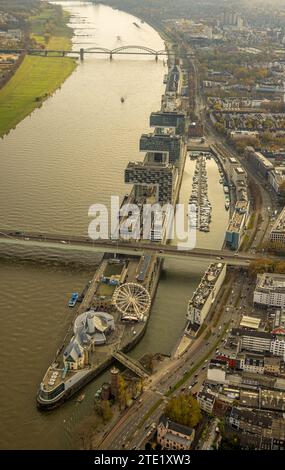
{"x":143,"y":49}
{"x":126,"y":49}
{"x":98,"y":49}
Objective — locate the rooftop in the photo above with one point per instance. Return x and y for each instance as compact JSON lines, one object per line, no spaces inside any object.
{"x":269,"y":282}
{"x":250,"y":322}
{"x":279,"y":225}
{"x":206,"y":285}
{"x":253,"y":333}
{"x":172,"y":426}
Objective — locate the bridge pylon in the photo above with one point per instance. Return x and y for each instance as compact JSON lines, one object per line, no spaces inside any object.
{"x":156,"y":57}
{"x":81,"y":54}
{"x":111,"y":56}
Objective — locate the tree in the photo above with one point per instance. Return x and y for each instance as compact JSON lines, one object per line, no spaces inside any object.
{"x":103,"y":409}
{"x":261,"y":266}
{"x":123,"y":394}
{"x":184,"y":409}
{"x":107,"y":412}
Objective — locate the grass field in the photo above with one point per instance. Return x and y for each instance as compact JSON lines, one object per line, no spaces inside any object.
{"x":35,"y":80}
{"x":49,"y":28}
{"x":38,"y":77}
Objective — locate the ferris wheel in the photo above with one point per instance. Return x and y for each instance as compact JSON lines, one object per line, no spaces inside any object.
{"x":132,"y":300}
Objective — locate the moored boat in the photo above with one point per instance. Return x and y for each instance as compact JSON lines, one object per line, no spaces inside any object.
{"x":73,"y":299}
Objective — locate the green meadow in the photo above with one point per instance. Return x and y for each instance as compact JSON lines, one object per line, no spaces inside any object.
{"x":38,"y":77}
{"x":35,"y":80}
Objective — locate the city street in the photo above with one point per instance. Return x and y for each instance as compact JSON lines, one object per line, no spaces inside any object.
{"x":135,"y":428}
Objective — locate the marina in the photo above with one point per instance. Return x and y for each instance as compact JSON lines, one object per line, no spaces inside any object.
{"x":201,"y":215}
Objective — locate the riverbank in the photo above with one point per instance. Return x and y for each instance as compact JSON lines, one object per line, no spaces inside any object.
{"x":49,"y":28}
{"x":37,"y":78}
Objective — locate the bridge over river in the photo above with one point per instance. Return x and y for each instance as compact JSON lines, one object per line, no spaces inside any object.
{"x":69,"y":242}
{"x":122,"y":50}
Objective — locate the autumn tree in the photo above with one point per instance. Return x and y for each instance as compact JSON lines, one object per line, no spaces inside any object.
{"x":184,"y":409}
{"x":123,"y":393}
{"x":261,"y":266}
{"x":104,"y":410}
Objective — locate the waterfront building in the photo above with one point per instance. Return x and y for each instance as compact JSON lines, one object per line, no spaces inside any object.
{"x":174,"y":82}
{"x":151,"y":177}
{"x":277,"y":233}
{"x":174,"y":119}
{"x":270,"y":290}
{"x":174,"y":436}
{"x":205,"y":294}
{"x":239,"y":176}
{"x":277,"y":178}
{"x":90,"y":330}
{"x":75,"y":356}
{"x":163,"y":144}
{"x":259,"y":161}
{"x":237,"y":225}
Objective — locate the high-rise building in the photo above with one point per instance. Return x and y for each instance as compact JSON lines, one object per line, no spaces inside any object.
{"x":159,"y":142}
{"x":173,"y":120}
{"x":152,"y":180}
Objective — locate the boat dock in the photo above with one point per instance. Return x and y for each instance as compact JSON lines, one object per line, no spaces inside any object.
{"x":199,"y":197}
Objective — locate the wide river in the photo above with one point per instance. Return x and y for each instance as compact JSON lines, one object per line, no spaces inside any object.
{"x":66,"y":156}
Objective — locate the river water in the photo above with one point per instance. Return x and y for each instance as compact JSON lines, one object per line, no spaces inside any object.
{"x":66,"y":156}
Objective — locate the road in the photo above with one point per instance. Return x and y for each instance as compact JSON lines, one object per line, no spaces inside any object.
{"x":134,"y":429}
{"x":269,"y":200}
{"x":68,"y":242}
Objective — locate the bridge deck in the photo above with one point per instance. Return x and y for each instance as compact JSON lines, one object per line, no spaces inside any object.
{"x":131,"y":364}
{"x":80,"y":243}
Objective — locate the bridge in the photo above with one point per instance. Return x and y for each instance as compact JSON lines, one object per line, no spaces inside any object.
{"x":131,"y":364}
{"x":131,"y":248}
{"x":122,"y":50}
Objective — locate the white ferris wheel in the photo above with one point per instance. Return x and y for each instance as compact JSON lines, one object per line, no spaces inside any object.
{"x":132,"y":300}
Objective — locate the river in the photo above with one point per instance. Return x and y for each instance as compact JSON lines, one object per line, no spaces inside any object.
{"x":67,"y":155}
